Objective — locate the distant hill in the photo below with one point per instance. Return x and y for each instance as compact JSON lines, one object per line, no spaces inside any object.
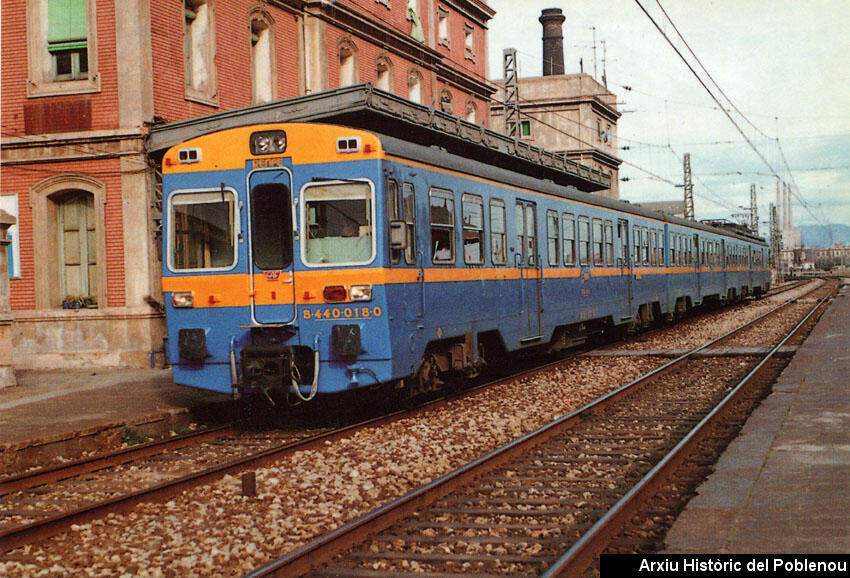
{"x":817,"y":236}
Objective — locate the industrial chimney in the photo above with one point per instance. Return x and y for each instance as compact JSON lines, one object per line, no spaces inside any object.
{"x":553,"y":41}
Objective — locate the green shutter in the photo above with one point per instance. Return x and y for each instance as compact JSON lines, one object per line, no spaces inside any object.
{"x":66,"y":25}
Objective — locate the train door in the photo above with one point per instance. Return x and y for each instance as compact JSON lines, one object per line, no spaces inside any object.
{"x":697,"y":266}
{"x":271,"y":241}
{"x":403,"y":208}
{"x":527,"y":261}
{"x":625,"y":263}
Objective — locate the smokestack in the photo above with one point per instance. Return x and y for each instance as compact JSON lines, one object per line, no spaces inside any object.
{"x":553,"y":41}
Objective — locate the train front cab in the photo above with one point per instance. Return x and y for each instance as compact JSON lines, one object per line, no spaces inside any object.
{"x":272,"y":270}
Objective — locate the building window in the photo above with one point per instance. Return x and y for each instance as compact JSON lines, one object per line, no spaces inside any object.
{"x":414,"y":86}
{"x":9,"y":203}
{"x":384,"y":74}
{"x":77,"y":248}
{"x":446,"y":101}
{"x":525,"y":128}
{"x":442,"y":212}
{"x":416,"y":31}
{"x":199,"y":38}
{"x":67,"y":39}
{"x":348,"y":69}
{"x":443,"y":26}
{"x":62,"y":47}
{"x":262,"y":59}
{"x":471,"y":112}
{"x":468,"y":41}
{"x":473,"y":229}
{"x":498,"y":249}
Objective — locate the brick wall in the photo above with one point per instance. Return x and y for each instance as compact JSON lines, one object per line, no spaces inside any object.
{"x":21,"y":179}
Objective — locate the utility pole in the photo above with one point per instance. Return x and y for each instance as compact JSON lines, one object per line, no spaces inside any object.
{"x":775,"y":242}
{"x":754,"y":211}
{"x":512,"y":124}
{"x":689,"y":190}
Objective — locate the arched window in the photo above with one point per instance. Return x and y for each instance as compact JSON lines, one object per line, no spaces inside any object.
{"x":262,"y":58}
{"x":414,"y":86}
{"x":471,"y":112}
{"x":199,"y":38}
{"x":348,"y":69}
{"x":69,"y":241}
{"x":384,"y":77}
{"x":77,"y":246}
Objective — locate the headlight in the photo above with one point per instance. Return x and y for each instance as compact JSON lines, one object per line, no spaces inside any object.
{"x":268,"y":142}
{"x":360,"y":292}
{"x":183,"y":299}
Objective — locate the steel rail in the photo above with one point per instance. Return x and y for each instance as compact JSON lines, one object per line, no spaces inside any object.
{"x":311,"y":555}
{"x":63,"y":471}
{"x":591,"y":544}
{"x":15,"y":536}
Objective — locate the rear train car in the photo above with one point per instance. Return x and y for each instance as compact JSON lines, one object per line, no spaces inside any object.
{"x":314,"y":259}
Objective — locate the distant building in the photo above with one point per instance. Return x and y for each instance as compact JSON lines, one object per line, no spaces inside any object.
{"x":571,"y":114}
{"x":83,"y":81}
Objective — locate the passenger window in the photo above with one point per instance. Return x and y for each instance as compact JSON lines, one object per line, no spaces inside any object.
{"x":473,"y":229}
{"x":408,"y":213}
{"x":568,"y":226}
{"x":637,"y":244}
{"x":653,"y":258}
{"x":203,"y":231}
{"x":442,"y":213}
{"x":583,"y":240}
{"x":673,"y":254}
{"x":597,"y":243}
{"x":552,"y":237}
{"x":645,"y":246}
{"x":609,"y":243}
{"x":498,"y":250}
{"x":393,"y":214}
{"x":338,"y":219}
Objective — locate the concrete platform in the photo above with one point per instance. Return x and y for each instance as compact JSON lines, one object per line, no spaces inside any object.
{"x":59,"y":409}
{"x":783,"y":486}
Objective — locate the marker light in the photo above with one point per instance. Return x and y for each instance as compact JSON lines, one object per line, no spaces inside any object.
{"x":360,"y":292}
{"x":334,"y":293}
{"x":183,"y":299}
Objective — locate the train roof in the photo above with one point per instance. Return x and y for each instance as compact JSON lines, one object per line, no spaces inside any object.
{"x":440,"y":157}
{"x":364,"y":106}
{"x":431,"y":136}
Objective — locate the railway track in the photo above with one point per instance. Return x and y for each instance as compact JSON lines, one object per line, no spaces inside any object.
{"x":551,"y":501}
{"x":51,"y":522}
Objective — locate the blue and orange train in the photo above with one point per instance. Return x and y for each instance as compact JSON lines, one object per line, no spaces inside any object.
{"x":312,"y":259}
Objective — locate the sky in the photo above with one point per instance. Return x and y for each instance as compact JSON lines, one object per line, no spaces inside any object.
{"x":783,"y":64}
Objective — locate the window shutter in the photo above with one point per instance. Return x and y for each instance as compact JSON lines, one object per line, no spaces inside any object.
{"x":67,"y":25}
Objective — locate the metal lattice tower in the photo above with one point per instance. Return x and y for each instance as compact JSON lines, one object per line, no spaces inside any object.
{"x":689,"y":190}
{"x":775,"y":240}
{"x":512,"y":124}
{"x":754,"y":211}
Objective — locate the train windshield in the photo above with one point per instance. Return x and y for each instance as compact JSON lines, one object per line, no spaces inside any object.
{"x":338,"y":220}
{"x":202,"y":231}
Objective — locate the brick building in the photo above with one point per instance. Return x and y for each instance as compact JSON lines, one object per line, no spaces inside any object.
{"x":571,"y":114}
{"x":82,"y":82}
